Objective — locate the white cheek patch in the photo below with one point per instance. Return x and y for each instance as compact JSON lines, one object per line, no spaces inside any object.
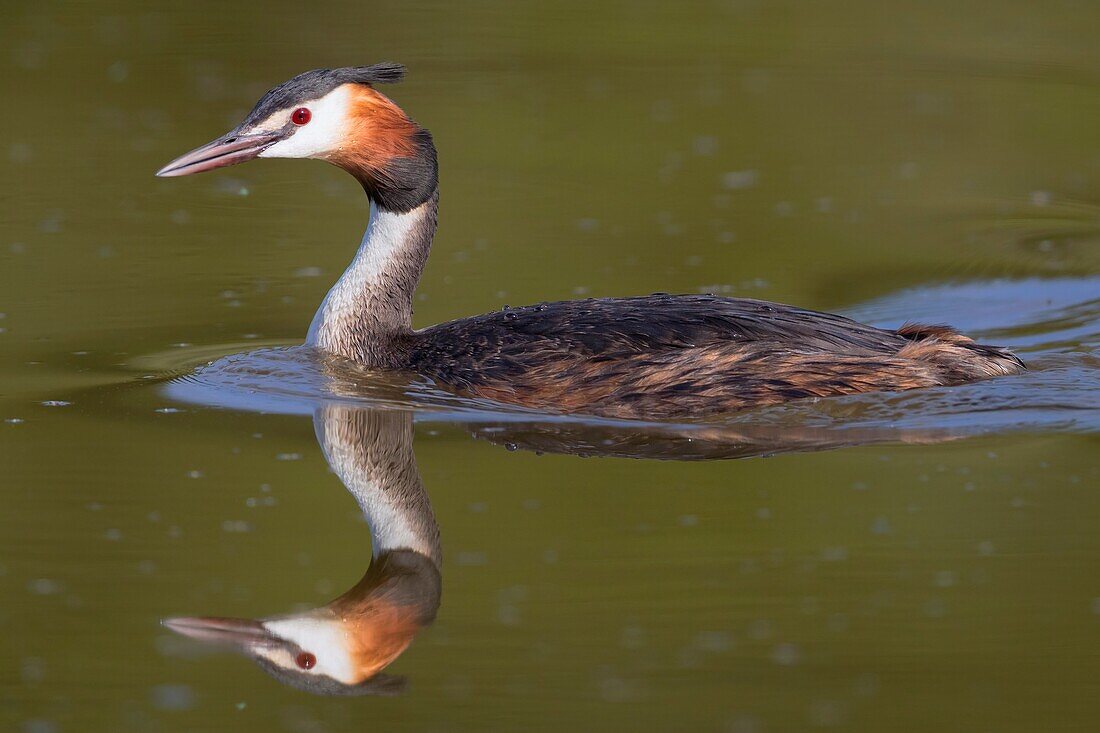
{"x":325,"y":639}
{"x":322,"y":134}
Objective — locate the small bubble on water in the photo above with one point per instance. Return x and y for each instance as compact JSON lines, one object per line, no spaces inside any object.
{"x":173,"y":697}
{"x":236,"y":526}
{"x":33,"y":669}
{"x":118,"y":72}
{"x":688,"y":520}
{"x":784,"y":209}
{"x":168,"y":410}
{"x":715,"y":642}
{"x":760,"y":629}
{"x":704,"y":145}
{"x":881,"y":525}
{"x":470,"y":558}
{"x":739,"y":180}
{"x":508,"y":615}
{"x":945,"y":578}
{"x":786,"y":654}
{"x":195,"y":473}
{"x":1039,"y":198}
{"x":288,"y":456}
{"x":866,"y":685}
{"x":55,"y":403}
{"x":309,"y":271}
{"x":14,"y":421}
{"x":44,"y":587}
{"x":113,"y":535}
{"x":935,"y":608}
{"x":744,"y":724}
{"x":632,"y":637}
{"x":20,"y":152}
{"x":834,"y":554}
{"x":826,"y":713}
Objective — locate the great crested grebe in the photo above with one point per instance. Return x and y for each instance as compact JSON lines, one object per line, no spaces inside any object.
{"x":648,"y":356}
{"x":342,"y":647}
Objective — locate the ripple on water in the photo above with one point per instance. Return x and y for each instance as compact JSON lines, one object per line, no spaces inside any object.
{"x":1053,"y":323}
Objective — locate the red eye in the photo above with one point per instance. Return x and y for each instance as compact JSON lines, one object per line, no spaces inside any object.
{"x":305,"y":660}
{"x":301,"y":116}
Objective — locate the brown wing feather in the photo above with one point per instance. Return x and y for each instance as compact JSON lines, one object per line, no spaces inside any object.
{"x":664,"y":355}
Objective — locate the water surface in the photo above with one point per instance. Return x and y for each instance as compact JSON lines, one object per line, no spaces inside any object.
{"x":920,"y":561}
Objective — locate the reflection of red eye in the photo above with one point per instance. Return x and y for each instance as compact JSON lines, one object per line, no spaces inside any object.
{"x":305,"y":660}
{"x":301,"y":116}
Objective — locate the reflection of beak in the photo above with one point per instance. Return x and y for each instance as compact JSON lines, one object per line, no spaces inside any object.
{"x":229,"y":149}
{"x":243,"y":633}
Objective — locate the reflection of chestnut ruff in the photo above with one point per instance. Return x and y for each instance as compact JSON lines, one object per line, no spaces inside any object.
{"x":653,"y":356}
{"x":342,"y":647}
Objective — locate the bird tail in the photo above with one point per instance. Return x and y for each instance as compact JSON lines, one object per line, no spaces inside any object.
{"x":959,"y":356}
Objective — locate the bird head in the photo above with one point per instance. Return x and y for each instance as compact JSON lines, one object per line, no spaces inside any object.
{"x":335,"y":115}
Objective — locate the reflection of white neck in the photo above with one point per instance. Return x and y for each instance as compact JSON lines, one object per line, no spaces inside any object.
{"x":371,"y":452}
{"x":374,"y":295}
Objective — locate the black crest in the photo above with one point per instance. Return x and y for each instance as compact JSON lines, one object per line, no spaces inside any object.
{"x":319,"y":82}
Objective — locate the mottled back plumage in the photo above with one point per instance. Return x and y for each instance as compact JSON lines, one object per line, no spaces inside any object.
{"x":664,"y":355}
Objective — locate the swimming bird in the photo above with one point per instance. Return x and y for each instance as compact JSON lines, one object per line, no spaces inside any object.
{"x":651,"y":356}
{"x":342,"y":647}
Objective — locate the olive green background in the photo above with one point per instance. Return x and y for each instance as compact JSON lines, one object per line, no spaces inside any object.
{"x":819,"y":153}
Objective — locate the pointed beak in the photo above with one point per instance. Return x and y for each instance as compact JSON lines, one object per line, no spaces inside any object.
{"x":242,"y":633}
{"x":229,"y":149}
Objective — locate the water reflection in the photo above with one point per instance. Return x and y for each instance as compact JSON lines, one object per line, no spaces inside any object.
{"x":342,"y":647}
{"x":686,"y":443}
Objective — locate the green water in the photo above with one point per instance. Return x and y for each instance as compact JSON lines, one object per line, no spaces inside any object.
{"x":934,"y":566}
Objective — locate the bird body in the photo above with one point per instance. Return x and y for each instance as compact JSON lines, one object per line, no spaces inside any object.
{"x":650,"y":357}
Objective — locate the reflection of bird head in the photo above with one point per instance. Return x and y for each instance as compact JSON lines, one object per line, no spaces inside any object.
{"x":342,"y":647}
{"x":339,"y":648}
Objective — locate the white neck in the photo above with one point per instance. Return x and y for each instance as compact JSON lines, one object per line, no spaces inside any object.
{"x":374,"y":295}
{"x":371,"y":452}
